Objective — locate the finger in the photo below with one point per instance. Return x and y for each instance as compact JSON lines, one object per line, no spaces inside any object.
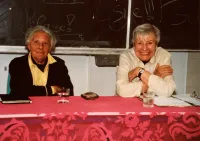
{"x":165,"y":66}
{"x":156,"y":69}
{"x":157,"y":66}
{"x":166,"y":74}
{"x":144,"y":88}
{"x":130,"y":76}
{"x":165,"y":69}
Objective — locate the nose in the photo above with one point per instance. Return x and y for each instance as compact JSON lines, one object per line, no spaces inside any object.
{"x":144,"y":47}
{"x":41,"y":46}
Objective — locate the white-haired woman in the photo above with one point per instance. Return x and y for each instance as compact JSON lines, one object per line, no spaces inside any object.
{"x":145,"y":67}
{"x":38,"y":73}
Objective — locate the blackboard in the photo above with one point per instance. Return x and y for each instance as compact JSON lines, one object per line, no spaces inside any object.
{"x":93,"y":23}
{"x":101,"y":23}
{"x":178,"y":21}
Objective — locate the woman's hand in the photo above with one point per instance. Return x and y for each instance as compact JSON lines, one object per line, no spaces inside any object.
{"x":144,"y":87}
{"x":133,"y":73}
{"x":163,"y":71}
{"x":56,"y":89}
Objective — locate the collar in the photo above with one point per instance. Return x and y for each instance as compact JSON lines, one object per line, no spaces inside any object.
{"x":51,"y":60}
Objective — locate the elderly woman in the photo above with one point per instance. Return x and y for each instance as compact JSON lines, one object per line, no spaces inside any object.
{"x":145,"y":67}
{"x":38,"y":73}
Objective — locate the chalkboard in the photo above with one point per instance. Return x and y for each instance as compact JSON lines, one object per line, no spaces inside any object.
{"x":101,"y":23}
{"x":178,"y":21}
{"x":93,"y":23}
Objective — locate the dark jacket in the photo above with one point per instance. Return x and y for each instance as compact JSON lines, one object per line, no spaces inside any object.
{"x":21,"y":81}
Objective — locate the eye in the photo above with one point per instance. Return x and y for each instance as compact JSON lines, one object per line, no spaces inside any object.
{"x":46,"y":44}
{"x":35,"y":41}
{"x":149,"y":43}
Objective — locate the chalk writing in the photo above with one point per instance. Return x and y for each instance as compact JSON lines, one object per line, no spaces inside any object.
{"x":59,"y":29}
{"x":149,"y":8}
{"x":70,"y":19}
{"x":100,"y":23}
{"x":117,"y":18}
{"x":4,"y":24}
{"x":63,"y":1}
{"x":4,"y":12}
{"x":160,"y":10}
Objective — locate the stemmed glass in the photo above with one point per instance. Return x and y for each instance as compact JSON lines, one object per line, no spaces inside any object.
{"x":64,"y":95}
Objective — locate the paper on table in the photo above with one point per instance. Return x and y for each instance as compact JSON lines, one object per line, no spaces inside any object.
{"x":170,"y":101}
{"x":188,"y":98}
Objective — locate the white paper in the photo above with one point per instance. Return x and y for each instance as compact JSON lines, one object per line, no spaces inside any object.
{"x":170,"y":101}
{"x":188,"y":98}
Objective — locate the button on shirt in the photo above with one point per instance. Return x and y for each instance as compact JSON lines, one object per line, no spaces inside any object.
{"x":128,"y":61}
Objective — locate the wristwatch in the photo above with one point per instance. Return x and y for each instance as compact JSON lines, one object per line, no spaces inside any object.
{"x":141,"y":71}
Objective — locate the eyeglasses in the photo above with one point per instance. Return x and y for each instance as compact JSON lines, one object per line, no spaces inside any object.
{"x":195,"y":95}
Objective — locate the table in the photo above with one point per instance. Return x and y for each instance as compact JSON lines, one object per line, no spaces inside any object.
{"x":110,"y":118}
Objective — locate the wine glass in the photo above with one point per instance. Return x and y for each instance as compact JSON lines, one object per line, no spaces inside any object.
{"x":64,"y":95}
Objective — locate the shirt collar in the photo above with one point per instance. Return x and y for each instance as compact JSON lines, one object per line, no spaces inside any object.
{"x":51,"y":60}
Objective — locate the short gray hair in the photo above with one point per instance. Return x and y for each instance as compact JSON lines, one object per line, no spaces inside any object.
{"x":37,"y":28}
{"x":144,"y":29}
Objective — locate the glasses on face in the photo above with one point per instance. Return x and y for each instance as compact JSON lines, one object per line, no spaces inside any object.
{"x":195,"y":95}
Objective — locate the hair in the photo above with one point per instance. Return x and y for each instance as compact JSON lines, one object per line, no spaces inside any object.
{"x":38,"y":28}
{"x":145,"y":29}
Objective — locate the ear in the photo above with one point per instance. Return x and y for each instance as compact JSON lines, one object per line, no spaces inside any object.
{"x":50,"y":49}
{"x":28,"y":47}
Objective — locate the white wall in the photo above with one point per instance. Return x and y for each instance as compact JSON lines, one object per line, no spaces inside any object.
{"x":4,"y":62}
{"x":86,"y":76}
{"x":193,"y":75}
{"x":179,"y":64}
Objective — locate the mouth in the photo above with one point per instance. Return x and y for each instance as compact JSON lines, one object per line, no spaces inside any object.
{"x":39,"y":52}
{"x":144,"y":53}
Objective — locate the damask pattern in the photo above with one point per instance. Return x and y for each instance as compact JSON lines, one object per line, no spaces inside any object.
{"x":84,"y":127}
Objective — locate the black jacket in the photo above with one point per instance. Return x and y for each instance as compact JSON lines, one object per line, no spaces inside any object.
{"x":21,"y":81}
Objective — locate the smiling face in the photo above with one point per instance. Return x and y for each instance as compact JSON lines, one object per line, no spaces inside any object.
{"x":145,"y":46}
{"x":39,"y":46}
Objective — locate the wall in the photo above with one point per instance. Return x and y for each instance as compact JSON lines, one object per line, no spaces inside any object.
{"x":193,"y":72}
{"x":86,"y":76}
{"x":179,"y":64}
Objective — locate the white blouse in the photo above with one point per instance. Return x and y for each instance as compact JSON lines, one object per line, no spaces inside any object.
{"x":128,"y":61}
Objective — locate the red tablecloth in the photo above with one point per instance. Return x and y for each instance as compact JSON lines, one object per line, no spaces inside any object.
{"x":104,"y":119}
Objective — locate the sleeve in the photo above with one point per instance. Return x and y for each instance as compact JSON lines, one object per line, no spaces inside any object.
{"x":67,"y":81}
{"x":59,"y":76}
{"x":21,"y":82}
{"x":163,"y":86}
{"x":123,"y":86}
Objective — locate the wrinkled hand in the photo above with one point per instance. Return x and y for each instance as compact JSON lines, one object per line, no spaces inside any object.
{"x":144,"y":87}
{"x":133,"y":73}
{"x":57,"y":89}
{"x":164,"y":70}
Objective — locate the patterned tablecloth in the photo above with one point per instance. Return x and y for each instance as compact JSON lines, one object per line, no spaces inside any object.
{"x":103,"y":119}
